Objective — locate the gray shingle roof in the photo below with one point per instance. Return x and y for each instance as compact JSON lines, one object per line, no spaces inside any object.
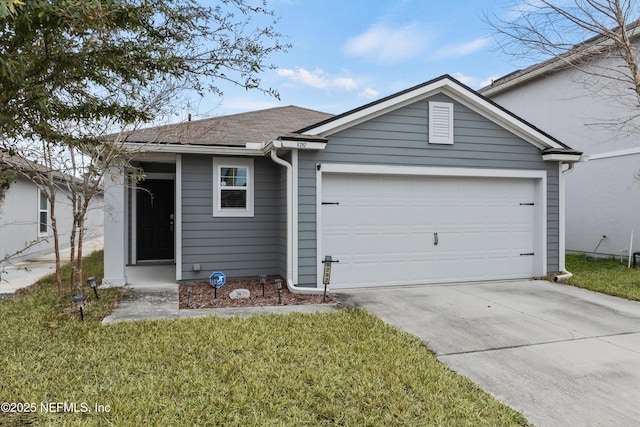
{"x":232,"y":130}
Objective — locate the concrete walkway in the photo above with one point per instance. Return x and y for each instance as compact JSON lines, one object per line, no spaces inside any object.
{"x":153,"y":295}
{"x":561,"y":355}
{"x":26,"y":273}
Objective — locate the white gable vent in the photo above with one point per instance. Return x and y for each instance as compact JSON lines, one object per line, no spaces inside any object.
{"x":440,"y":123}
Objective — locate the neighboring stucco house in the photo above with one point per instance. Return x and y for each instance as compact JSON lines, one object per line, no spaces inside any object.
{"x":592,"y":115}
{"x":432,"y":184}
{"x":25,"y":222}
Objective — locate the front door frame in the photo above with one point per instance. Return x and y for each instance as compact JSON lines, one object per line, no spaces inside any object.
{"x":134,"y":213}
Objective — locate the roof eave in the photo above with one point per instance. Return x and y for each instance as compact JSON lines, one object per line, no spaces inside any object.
{"x":134,"y":147}
{"x":563,"y":157}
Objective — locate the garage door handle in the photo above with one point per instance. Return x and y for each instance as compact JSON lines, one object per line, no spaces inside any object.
{"x":435,"y":239}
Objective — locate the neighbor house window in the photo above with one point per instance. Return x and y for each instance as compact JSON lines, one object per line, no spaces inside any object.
{"x":43,"y":213}
{"x":233,"y":187}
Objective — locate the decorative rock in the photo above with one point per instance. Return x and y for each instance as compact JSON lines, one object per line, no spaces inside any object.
{"x":239,"y":294}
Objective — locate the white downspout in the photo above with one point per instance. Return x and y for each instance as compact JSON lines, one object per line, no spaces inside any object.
{"x":290,"y":255}
{"x":564,"y":274}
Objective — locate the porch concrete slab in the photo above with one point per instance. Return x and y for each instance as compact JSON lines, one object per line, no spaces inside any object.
{"x":559,"y":354}
{"x":146,"y":304}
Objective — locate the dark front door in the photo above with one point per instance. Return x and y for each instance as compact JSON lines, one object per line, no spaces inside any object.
{"x":155,"y":201}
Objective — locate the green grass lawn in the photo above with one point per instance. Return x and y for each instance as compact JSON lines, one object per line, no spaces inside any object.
{"x":344,"y":368}
{"x":609,"y":276}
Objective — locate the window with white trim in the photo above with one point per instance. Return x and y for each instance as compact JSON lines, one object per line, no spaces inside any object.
{"x":233,"y":187}
{"x":43,"y":213}
{"x":440,"y":123}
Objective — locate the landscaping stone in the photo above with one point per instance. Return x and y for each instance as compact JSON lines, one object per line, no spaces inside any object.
{"x":240,"y":294}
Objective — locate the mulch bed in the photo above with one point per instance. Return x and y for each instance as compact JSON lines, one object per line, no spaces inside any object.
{"x":202,"y":295}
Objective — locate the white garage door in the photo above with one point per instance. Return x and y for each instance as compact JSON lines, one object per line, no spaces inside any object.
{"x":388,"y":230}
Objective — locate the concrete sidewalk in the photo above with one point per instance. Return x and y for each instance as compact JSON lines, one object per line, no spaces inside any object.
{"x":26,"y":273}
{"x":152,"y":296}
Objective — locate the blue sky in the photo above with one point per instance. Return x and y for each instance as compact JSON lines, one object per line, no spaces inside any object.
{"x":347,"y":53}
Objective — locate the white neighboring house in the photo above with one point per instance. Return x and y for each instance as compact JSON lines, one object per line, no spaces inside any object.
{"x":587,"y":113}
{"x":24,"y":219}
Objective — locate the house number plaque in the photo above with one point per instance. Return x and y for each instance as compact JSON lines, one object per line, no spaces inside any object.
{"x":326,"y":277}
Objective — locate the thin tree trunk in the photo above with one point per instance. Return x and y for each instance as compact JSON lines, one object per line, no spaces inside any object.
{"x":56,"y":245}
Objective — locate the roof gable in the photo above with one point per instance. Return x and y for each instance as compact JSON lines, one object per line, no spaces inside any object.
{"x":454,"y":89}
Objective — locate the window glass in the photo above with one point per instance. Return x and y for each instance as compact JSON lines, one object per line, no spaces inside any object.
{"x":43,"y":201}
{"x":233,"y":177}
{"x":43,"y":222}
{"x":43,"y":213}
{"x":233,"y":198}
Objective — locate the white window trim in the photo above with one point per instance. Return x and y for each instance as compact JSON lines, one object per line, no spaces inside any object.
{"x":435,"y":138}
{"x":221,"y":162}
{"x":40,"y":210}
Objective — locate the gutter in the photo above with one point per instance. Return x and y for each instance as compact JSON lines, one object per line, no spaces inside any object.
{"x":564,"y":274}
{"x":293,"y":288}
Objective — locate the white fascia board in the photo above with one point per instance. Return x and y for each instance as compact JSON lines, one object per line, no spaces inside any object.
{"x":618,"y":153}
{"x":504,"y":119}
{"x":191,"y":149}
{"x":300,"y":145}
{"x":559,"y":157}
{"x":429,"y":171}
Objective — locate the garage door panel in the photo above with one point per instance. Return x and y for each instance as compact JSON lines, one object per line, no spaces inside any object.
{"x":384,"y":227}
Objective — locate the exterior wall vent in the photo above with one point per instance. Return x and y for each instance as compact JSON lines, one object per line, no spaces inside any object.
{"x":440,"y":123}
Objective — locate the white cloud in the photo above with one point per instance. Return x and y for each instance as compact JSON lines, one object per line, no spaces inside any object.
{"x":473,"y":82}
{"x":369,"y":93}
{"x":462,"y":49}
{"x":467,"y":80}
{"x":318,"y":79}
{"x":389,"y":45}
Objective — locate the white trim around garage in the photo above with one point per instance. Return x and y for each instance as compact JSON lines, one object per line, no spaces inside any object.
{"x":541,"y":195}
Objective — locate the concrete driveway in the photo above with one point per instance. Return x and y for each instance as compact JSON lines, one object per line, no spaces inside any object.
{"x":562,"y":356}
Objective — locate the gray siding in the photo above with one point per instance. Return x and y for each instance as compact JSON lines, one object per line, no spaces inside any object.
{"x":400,"y":138}
{"x":239,"y":247}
